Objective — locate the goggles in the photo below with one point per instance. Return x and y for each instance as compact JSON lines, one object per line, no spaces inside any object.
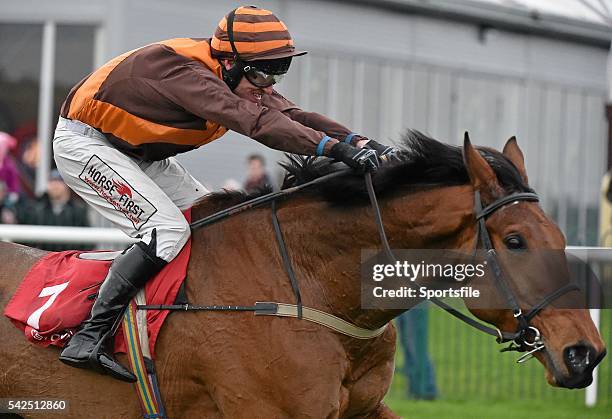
{"x":260,"y":78}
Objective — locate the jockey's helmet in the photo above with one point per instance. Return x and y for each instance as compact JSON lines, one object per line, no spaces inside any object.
{"x":259,"y":44}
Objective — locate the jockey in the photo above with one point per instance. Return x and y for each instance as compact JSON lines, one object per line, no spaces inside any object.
{"x":121,"y":126}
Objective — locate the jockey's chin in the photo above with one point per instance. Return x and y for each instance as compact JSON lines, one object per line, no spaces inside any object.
{"x":250,"y":92}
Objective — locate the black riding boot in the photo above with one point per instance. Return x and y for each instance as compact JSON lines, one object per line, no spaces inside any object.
{"x":127,"y":274}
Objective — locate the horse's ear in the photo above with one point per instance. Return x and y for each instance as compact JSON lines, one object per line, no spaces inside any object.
{"x":515,"y":155}
{"x":481,"y":174}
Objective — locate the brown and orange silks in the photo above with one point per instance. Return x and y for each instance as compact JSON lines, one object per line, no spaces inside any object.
{"x":169,"y":97}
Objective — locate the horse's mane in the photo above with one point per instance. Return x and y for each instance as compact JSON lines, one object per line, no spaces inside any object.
{"x":423,"y":163}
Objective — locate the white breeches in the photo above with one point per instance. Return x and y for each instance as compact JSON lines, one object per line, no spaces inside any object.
{"x":136,"y":196}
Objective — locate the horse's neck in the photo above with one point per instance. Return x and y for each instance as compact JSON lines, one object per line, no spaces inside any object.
{"x":326,"y":242}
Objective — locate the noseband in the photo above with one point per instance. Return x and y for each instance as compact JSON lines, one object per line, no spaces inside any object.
{"x":526,"y":338}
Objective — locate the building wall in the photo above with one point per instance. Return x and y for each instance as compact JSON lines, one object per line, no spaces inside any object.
{"x":381,"y":71}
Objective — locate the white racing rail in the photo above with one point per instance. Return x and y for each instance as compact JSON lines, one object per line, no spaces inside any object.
{"x":92,"y":235}
{"x":54,"y":234}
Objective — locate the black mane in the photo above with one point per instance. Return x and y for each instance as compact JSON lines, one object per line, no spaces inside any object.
{"x":423,"y":163}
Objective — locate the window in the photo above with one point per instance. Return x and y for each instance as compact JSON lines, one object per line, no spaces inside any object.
{"x":30,"y":97}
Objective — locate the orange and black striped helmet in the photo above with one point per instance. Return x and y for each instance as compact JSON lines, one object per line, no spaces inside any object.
{"x":258,"y":35}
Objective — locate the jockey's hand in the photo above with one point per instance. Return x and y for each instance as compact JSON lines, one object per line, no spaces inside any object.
{"x":385,"y":153}
{"x":363,"y":159}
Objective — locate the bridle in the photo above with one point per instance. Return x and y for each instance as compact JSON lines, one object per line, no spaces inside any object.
{"x":520,"y":340}
{"x":526,"y":338}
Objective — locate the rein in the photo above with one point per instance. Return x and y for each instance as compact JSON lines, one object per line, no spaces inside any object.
{"x":519,"y":339}
{"x":260,"y":200}
{"x":501,"y":336}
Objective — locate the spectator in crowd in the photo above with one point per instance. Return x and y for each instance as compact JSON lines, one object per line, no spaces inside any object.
{"x":7,"y":206}
{"x":257,"y":179}
{"x":8,"y":169}
{"x":418,"y":368}
{"x":56,"y":207}
{"x":30,"y":156}
{"x":26,"y":156}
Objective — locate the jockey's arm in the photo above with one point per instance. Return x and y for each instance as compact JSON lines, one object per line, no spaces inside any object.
{"x":327,"y":125}
{"x":200,"y":92}
{"x":313,"y":120}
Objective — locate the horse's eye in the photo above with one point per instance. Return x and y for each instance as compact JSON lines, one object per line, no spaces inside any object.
{"x":515,"y":242}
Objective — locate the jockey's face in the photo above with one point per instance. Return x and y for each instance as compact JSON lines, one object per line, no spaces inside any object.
{"x":246,"y":89}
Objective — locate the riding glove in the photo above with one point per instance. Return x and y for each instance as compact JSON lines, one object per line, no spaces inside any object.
{"x":385,"y":153}
{"x":363,"y":159}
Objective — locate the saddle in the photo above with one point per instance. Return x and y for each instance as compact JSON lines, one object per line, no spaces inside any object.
{"x":57,"y":294}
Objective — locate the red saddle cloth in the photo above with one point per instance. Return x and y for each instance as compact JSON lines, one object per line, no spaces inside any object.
{"x":57,"y":294}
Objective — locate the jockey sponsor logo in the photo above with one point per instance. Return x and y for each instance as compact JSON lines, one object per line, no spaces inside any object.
{"x":122,"y":188}
{"x":117,"y":191}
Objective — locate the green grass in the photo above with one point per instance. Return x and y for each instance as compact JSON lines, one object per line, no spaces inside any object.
{"x":442,"y":409}
{"x":476,"y":381}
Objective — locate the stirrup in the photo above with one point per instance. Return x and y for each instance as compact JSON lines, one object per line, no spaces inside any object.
{"x":95,"y":364}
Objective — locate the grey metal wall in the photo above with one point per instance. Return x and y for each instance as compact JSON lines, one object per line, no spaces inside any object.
{"x":380,"y":73}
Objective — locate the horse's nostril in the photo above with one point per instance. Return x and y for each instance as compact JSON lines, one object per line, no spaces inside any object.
{"x":579,"y":358}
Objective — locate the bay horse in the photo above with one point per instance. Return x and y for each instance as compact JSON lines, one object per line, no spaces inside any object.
{"x":237,"y":365}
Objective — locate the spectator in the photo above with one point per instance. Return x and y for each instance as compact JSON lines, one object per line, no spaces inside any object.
{"x":27,"y":166}
{"x":8,"y":170}
{"x":257,"y":179}
{"x":56,"y":207}
{"x":412,"y":326}
{"x":7,"y":207}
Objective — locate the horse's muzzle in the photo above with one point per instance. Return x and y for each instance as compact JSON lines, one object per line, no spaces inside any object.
{"x":580,"y":361}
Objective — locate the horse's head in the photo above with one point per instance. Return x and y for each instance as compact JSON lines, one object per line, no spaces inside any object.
{"x":427,"y":202}
{"x":572,"y":344}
